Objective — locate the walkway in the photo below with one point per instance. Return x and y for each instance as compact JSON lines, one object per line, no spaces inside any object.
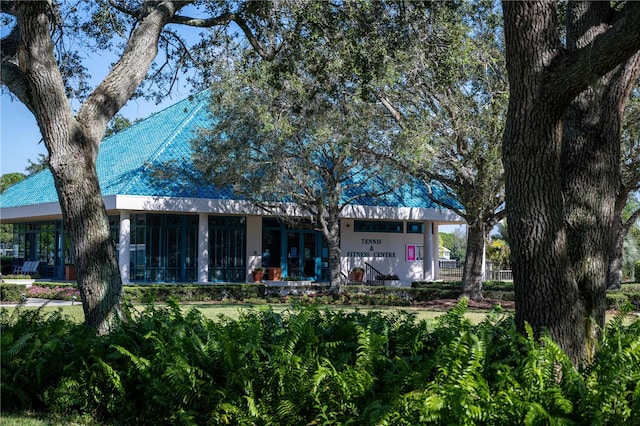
{"x":33,"y":301}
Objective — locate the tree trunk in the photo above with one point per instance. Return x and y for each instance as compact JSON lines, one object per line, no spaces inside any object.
{"x":545,"y":291}
{"x":591,"y":169}
{"x":550,"y":293}
{"x":335,"y":255}
{"x":332,"y":233}
{"x":614,"y":268}
{"x":328,"y":218}
{"x":472,"y":273}
{"x":589,"y":177}
{"x":72,"y":160}
{"x":87,"y":226}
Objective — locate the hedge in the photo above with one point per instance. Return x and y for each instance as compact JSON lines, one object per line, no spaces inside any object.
{"x":418,"y":293}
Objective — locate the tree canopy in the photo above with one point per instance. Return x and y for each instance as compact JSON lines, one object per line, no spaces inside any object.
{"x":450,"y":100}
{"x":9,"y":179}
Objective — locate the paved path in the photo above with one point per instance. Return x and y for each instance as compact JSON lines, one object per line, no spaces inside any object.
{"x":32,"y":301}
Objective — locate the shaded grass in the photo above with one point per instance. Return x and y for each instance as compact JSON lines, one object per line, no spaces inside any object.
{"x":215,"y":311}
{"x":233,"y":311}
{"x":43,"y":419}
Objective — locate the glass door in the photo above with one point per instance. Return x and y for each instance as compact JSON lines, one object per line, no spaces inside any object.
{"x":301,"y":254}
{"x":294,"y":268}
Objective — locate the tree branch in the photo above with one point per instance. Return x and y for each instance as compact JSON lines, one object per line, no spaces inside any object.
{"x":632,"y":219}
{"x":127,"y":74}
{"x":572,"y":72}
{"x":223,"y":19}
{"x":395,"y":113}
{"x":12,"y":76}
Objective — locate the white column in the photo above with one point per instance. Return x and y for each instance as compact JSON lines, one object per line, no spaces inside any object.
{"x":124,"y":247}
{"x":427,"y":256}
{"x":435,"y":237}
{"x":203,"y":248}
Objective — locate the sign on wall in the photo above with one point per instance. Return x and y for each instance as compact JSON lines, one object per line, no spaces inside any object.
{"x":373,"y":249}
{"x":414,"y":252}
{"x":411,"y":252}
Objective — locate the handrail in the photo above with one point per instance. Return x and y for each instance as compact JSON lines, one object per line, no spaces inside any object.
{"x":371,"y":275}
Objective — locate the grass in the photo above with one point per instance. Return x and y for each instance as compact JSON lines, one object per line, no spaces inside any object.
{"x":215,"y":311}
{"x":42,"y":419}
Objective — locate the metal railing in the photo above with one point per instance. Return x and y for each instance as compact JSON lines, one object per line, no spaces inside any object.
{"x":449,"y":274}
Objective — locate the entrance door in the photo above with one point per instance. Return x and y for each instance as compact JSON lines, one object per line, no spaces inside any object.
{"x":301,"y":254}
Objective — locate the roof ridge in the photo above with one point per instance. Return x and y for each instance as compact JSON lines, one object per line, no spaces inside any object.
{"x":163,"y":146}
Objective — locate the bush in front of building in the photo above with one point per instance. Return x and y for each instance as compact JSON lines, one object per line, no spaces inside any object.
{"x":11,"y":293}
{"x":628,"y":293}
{"x":149,"y":293}
{"x":48,"y":291}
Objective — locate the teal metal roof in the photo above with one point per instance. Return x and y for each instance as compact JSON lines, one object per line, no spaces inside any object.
{"x":126,"y":163}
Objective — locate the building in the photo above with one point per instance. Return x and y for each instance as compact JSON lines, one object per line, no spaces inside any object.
{"x":180,"y":232}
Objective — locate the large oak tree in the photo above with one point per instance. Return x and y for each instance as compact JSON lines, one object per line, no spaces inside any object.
{"x":450,"y":101}
{"x":553,"y":257}
{"x":39,"y":69}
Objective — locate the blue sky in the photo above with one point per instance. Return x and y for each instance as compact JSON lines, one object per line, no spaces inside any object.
{"x":19,"y":137}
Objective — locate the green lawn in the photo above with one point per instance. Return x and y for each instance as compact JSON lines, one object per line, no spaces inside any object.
{"x":42,"y":419}
{"x":214,"y":311}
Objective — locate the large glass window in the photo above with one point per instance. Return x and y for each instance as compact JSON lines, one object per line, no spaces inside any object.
{"x":41,"y":241}
{"x":299,"y":250}
{"x":415,"y":227}
{"x":137,"y":249}
{"x":164,"y":248}
{"x":227,"y":248}
{"x":271,"y":243}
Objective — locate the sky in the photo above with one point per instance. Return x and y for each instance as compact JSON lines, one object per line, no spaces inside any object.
{"x":19,"y":137}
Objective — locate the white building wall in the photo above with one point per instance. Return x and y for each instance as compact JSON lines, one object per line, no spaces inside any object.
{"x":386,"y":252}
{"x":428,"y":262}
{"x":436,"y":252}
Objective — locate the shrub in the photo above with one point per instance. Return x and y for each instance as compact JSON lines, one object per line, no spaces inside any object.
{"x":68,"y":292}
{"x":6,"y":264}
{"x":192,"y":292}
{"x":11,"y":292}
{"x":616,"y":300}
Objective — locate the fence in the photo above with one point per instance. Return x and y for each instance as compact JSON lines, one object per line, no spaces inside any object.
{"x":449,"y":273}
